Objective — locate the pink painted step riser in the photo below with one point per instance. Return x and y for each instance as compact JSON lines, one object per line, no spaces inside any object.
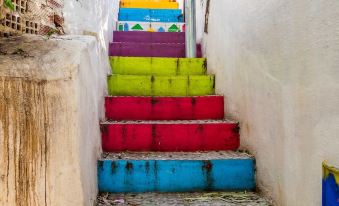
{"x":170,"y":137}
{"x":164,"y":108}
{"x":133,"y":49}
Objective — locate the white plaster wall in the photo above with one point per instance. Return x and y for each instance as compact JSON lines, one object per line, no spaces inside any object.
{"x":277,"y":65}
{"x":200,"y":19}
{"x":92,"y":17}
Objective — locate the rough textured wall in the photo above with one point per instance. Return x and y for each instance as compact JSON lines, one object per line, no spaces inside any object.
{"x":277,"y":65}
{"x":51,"y":102}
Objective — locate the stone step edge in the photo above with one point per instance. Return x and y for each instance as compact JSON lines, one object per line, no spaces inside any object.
{"x":174,"y":58}
{"x":164,"y":156}
{"x":155,"y":97}
{"x":162,"y":76}
{"x":143,"y":43}
{"x":186,"y":198}
{"x":158,"y":122}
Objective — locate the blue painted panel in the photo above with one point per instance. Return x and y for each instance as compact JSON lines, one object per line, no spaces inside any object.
{"x":330,"y":191}
{"x":151,"y":15}
{"x":175,"y":176}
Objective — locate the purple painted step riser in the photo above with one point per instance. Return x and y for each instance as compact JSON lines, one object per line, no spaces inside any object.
{"x":149,"y":37}
{"x":149,"y":50}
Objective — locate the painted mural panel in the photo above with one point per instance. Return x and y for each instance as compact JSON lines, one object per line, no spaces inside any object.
{"x":151,"y":26}
{"x":330,"y":185}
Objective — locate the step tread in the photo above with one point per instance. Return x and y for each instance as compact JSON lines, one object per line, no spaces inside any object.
{"x":164,"y":76}
{"x":148,"y":43}
{"x":211,"y":155}
{"x":137,"y":97}
{"x":187,"y":199}
{"x":225,"y":121}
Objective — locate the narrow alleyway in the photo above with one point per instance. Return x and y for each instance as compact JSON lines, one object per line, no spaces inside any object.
{"x":165,"y":129}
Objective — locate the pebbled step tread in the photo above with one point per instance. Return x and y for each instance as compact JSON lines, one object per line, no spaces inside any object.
{"x":114,"y":96}
{"x":225,"y":121}
{"x":212,"y":155}
{"x":187,"y":199}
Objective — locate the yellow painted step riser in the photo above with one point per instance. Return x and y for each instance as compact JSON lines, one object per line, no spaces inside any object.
{"x":147,"y":1}
{"x":136,"y":85}
{"x":158,"y":66}
{"x":150,"y":5}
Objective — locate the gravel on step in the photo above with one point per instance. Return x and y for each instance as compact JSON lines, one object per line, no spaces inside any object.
{"x":183,"y":199}
{"x":213,"y":155}
{"x":225,"y":121}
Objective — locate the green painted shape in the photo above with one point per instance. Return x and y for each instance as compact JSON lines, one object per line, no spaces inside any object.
{"x":158,"y":66}
{"x":137,"y":27}
{"x":147,"y":85}
{"x":174,"y":28}
{"x":121,"y":27}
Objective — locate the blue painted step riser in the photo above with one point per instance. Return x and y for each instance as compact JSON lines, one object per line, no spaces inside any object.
{"x":150,"y":11}
{"x":175,"y":176}
{"x":147,"y":15}
{"x":151,"y":18}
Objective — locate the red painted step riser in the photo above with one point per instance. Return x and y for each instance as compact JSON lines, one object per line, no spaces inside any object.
{"x":170,"y":137}
{"x":164,"y":108}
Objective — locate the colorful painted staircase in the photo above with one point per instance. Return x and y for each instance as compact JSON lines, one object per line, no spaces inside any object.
{"x":165,"y":128}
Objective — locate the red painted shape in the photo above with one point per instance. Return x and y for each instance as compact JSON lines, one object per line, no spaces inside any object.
{"x":117,"y":137}
{"x":164,"y":108}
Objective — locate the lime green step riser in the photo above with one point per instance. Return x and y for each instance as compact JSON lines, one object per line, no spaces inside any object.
{"x":136,"y":85}
{"x":158,"y":66}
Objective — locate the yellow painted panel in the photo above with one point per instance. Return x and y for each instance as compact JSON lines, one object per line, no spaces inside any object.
{"x":149,"y":5}
{"x":148,"y":1}
{"x":138,"y":85}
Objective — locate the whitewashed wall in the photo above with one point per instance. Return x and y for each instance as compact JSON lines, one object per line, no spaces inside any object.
{"x":277,"y":65}
{"x":92,"y":17}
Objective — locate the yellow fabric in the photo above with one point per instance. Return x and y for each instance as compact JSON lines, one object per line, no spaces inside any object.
{"x":327,"y":170}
